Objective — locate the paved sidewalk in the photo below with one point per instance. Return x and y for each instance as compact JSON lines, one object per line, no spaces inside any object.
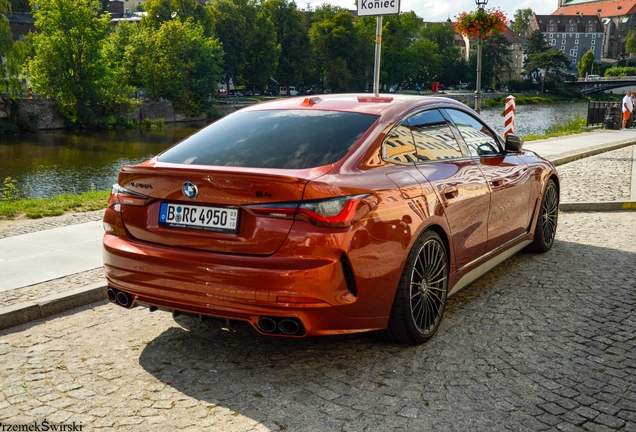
{"x":37,"y":257}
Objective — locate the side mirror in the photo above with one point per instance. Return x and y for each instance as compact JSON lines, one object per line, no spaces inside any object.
{"x":514,"y":143}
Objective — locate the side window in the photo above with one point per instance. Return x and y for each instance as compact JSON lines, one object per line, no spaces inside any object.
{"x":398,"y":145}
{"x":433,"y":137}
{"x":480,"y":140}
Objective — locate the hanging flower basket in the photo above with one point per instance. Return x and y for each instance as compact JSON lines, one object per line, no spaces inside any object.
{"x":481,"y":23}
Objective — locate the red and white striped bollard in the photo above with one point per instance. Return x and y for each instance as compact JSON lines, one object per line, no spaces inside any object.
{"x":509,"y":119}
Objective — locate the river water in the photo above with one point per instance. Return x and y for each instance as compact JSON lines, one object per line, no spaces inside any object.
{"x":49,"y":163}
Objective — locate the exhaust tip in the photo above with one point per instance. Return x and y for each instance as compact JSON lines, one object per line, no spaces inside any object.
{"x":123,"y":299}
{"x":266,"y":324}
{"x":112,"y":295}
{"x":288,"y":326}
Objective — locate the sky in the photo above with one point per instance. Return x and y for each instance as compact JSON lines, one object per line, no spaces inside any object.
{"x":441,"y":10}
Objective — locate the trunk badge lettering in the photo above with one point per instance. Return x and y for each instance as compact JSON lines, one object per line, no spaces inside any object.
{"x":190,"y":190}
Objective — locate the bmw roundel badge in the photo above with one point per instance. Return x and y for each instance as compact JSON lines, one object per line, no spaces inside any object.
{"x":190,"y":190}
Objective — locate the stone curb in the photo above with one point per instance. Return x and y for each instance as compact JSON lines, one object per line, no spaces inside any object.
{"x":23,"y":313}
{"x":597,"y":206}
{"x":563,"y":158}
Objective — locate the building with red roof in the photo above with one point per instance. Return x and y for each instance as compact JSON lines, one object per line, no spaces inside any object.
{"x":617,"y":16}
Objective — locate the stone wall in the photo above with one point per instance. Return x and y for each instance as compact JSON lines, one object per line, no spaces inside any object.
{"x":44,"y":113}
{"x":41,"y":111}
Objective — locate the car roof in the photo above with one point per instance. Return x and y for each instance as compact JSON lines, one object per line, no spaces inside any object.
{"x":364,"y":103}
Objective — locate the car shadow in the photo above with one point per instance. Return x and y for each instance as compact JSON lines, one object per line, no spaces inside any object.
{"x":500,"y":336}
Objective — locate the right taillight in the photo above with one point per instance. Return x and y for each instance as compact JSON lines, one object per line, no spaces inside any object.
{"x":333,"y":212}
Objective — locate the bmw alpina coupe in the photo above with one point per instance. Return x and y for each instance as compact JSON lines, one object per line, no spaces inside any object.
{"x":327,"y":215}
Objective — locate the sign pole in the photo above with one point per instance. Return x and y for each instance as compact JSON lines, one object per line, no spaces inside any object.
{"x":378,"y":50}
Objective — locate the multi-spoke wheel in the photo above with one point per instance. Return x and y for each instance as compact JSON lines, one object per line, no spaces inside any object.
{"x":421,"y":296}
{"x":547,"y":222}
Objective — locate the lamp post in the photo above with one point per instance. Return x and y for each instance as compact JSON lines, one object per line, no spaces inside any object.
{"x":481,"y":4}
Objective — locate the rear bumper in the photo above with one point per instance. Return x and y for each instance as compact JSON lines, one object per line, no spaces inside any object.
{"x":237,"y":287}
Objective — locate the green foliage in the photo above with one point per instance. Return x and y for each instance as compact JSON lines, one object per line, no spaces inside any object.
{"x":553,"y":62}
{"x":162,"y":11}
{"x":67,"y":64}
{"x":294,"y":62}
{"x":630,"y":42}
{"x":587,"y":64}
{"x":536,"y":43}
{"x":16,"y":60}
{"x":9,"y":191}
{"x":570,"y":126}
{"x":180,"y":64}
{"x":262,"y":51}
{"x":231,"y":31}
{"x":621,"y":71}
{"x":521,"y":21}
{"x":334,"y":39}
{"x":6,"y":40}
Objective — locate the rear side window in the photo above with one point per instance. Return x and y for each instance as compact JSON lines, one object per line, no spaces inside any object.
{"x":292,"y":139}
{"x":433,"y":137}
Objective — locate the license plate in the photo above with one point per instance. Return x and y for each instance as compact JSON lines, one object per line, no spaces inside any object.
{"x":205,"y":218}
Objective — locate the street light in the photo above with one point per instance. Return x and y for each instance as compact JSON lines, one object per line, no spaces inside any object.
{"x":481,"y":4}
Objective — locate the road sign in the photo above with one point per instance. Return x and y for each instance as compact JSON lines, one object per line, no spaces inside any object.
{"x":378,"y":7}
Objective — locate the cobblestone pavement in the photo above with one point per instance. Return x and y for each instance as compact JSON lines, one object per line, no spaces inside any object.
{"x":604,"y":177}
{"x":541,"y":342}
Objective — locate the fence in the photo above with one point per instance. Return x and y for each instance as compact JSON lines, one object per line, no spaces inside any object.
{"x":596,"y":111}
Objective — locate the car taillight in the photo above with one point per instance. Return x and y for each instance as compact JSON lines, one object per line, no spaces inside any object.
{"x":334,"y":212}
{"x":120,"y":195}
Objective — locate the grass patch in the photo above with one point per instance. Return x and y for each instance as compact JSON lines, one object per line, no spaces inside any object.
{"x":40,"y":207}
{"x":571,"y":126}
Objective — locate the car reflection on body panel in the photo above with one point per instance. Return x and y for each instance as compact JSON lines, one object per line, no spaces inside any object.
{"x":327,"y":215}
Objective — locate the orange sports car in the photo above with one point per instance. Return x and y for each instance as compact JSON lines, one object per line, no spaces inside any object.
{"x":327,"y":215}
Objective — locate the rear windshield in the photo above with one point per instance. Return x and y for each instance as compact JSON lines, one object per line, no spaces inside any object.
{"x":292,"y":139}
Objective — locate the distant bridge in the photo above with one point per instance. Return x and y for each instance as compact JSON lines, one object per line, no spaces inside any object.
{"x":591,"y":86}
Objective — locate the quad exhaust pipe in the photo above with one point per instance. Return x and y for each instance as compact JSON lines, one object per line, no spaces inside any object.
{"x":120,"y":298}
{"x":286,"y":326}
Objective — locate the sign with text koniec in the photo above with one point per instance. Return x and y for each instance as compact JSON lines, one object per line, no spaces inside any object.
{"x":378,"y":7}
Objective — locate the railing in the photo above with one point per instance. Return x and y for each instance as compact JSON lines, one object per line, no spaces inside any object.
{"x":610,"y":78}
{"x":597,"y":110}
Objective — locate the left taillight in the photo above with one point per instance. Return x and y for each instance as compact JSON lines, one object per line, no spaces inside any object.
{"x":337,"y":212}
{"x":120,"y":195}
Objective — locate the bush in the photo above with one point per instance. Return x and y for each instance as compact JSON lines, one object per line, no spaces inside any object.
{"x":9,"y":191}
{"x":621,"y":71}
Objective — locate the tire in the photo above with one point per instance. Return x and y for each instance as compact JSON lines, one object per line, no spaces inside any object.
{"x":545,"y":230}
{"x":420,"y":299}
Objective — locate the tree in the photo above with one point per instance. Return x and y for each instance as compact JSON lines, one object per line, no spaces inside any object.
{"x":6,"y":39}
{"x":630,"y":42}
{"x":498,"y":55}
{"x":536,"y":43}
{"x":553,"y":63}
{"x":334,"y":38}
{"x":587,"y":64}
{"x":262,"y":52}
{"x":521,"y":21}
{"x":161,"y":11}
{"x":67,"y":64}
{"x":451,"y":68}
{"x":294,"y":63}
{"x":15,"y":60}
{"x":231,"y":32}
{"x":180,"y":64}
{"x":403,"y":58}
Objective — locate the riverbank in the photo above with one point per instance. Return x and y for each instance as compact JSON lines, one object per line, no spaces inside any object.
{"x":36,"y":208}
